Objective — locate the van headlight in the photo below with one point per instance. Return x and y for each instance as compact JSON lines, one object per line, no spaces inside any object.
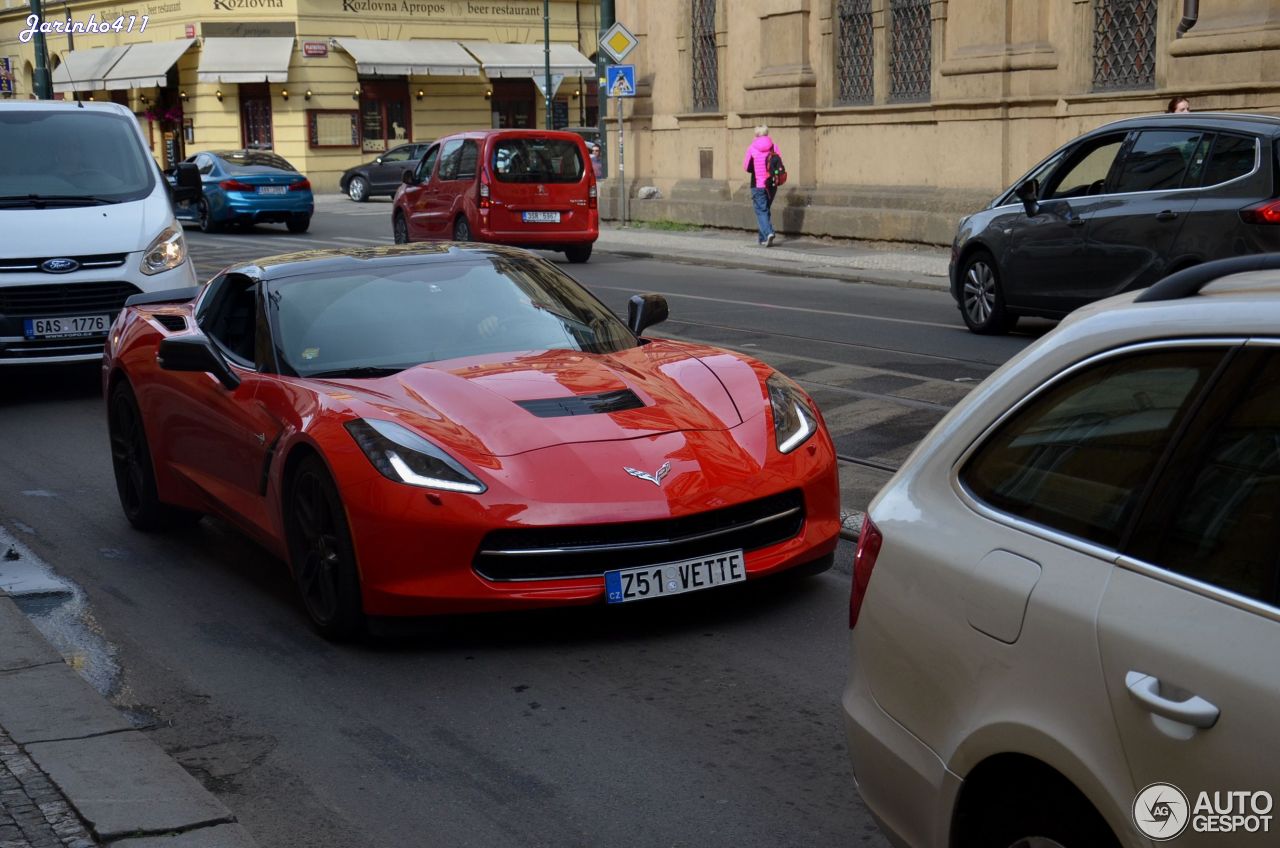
{"x":166,"y":252}
{"x":406,"y":457}
{"x":793,"y":421}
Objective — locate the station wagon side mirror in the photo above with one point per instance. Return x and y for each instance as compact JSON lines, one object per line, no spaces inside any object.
{"x":194,"y":352}
{"x":645,"y":310}
{"x":1029,"y":192}
{"x":187,"y":187}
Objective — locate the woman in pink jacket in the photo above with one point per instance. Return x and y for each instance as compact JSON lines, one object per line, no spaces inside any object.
{"x":756,"y":162}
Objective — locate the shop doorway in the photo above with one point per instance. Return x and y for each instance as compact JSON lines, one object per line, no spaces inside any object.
{"x":514,"y":104}
{"x":384,"y":114}
{"x":255,"y":116}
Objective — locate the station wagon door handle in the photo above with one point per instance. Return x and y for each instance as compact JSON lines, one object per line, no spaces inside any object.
{"x":1166,"y":215}
{"x":1195,"y":711}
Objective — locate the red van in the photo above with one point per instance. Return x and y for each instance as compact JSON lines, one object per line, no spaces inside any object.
{"x":528,"y":188}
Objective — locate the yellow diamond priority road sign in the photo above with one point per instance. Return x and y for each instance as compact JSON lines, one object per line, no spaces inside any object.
{"x":618,"y":41}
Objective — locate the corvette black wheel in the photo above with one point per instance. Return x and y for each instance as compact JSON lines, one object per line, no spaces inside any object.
{"x":321,"y":553}
{"x":131,"y":462}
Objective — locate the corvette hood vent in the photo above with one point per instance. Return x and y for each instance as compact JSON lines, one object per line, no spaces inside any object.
{"x":617,"y":401}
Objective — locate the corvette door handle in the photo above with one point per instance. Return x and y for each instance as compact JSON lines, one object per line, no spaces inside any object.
{"x":1195,"y":711}
{"x":1166,"y":215}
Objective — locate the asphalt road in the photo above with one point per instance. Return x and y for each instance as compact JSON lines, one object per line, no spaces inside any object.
{"x":709,"y":720}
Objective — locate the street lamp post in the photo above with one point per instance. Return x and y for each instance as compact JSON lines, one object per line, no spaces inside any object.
{"x":546,"y":56}
{"x":41,"y":81}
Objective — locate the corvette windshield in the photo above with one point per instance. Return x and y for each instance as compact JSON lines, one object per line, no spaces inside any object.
{"x":372,"y":323}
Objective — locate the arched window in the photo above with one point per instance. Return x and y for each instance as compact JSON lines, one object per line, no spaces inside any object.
{"x":1124,"y":44}
{"x":706,"y":85}
{"x":855,"y":53}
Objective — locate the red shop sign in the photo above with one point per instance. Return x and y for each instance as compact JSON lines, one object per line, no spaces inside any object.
{"x":315,"y":48}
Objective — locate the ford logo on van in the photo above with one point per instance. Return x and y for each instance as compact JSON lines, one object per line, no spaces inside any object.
{"x":59,"y":266}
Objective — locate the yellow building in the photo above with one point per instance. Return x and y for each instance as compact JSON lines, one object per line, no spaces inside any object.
{"x":895,"y":117}
{"x":325,"y":83}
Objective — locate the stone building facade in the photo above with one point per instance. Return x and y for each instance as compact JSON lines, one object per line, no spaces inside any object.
{"x":895,"y":117}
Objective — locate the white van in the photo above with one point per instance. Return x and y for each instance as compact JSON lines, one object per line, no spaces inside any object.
{"x":86,"y":221}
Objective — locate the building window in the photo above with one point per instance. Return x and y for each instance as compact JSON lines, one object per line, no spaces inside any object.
{"x":910,"y":50}
{"x":706,"y":87}
{"x":855,"y":56}
{"x":384,"y":114}
{"x":1124,"y":44}
{"x":255,"y":116}
{"x":513,"y":104}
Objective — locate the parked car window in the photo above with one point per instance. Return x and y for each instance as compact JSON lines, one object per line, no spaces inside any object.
{"x":1195,"y":168}
{"x":1156,"y":161}
{"x":400,"y":154}
{"x":242,"y":161}
{"x":450,"y":158}
{"x":537,"y":160}
{"x":1233,"y":156}
{"x":467,"y":162}
{"x":1223,"y":492}
{"x":428,"y":163}
{"x":229,"y":316}
{"x":1085,"y":170}
{"x":1076,"y":457}
{"x":205,"y":164}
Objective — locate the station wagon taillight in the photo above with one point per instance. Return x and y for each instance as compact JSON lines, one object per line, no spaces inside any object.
{"x":234,"y":185}
{"x":591,"y":197}
{"x":1267,"y":212}
{"x":484,"y":194}
{"x":864,"y":560}
{"x":304,"y":185}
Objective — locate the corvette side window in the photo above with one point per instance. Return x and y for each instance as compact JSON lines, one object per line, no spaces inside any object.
{"x":1077,"y":456}
{"x":231,"y":318}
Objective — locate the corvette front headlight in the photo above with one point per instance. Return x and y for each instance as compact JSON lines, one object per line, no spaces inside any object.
{"x":793,"y":421}
{"x":166,"y":252}
{"x":404,"y":456}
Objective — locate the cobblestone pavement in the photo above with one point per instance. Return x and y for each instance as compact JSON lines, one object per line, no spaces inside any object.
{"x":33,"y":813}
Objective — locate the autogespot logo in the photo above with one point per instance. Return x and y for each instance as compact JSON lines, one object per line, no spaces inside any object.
{"x":1160,"y":811}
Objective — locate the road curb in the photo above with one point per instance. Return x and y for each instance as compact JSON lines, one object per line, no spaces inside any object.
{"x":895,"y":279}
{"x":121,"y":785}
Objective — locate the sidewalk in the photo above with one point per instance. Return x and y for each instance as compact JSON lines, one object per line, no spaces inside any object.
{"x":902,"y":265}
{"x":74,"y":772}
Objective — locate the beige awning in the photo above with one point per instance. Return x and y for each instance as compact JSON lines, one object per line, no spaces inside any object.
{"x":146,"y":65}
{"x":422,"y":57}
{"x":86,"y":70}
{"x":245,"y":59}
{"x":527,"y":60}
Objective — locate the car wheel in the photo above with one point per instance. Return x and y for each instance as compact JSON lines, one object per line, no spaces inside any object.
{"x":461,"y":229}
{"x":299,"y":224}
{"x":358,"y":189}
{"x":321,"y":553}
{"x":205,"y":217}
{"x":982,"y":298}
{"x":131,"y":462}
{"x":578,"y":253}
{"x":400,"y":229}
{"x":1037,"y":814}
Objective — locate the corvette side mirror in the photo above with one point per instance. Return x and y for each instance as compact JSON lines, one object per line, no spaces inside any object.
{"x":195,"y":353}
{"x":645,"y":310}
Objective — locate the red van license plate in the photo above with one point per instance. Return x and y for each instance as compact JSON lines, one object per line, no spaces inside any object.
{"x":541,"y":217}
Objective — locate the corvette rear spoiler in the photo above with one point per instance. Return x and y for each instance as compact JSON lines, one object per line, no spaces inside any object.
{"x":169,"y":296}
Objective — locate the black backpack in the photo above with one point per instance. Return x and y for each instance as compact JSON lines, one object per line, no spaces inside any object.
{"x":777,"y":171}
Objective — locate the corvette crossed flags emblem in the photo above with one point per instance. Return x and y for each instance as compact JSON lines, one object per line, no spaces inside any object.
{"x":656,"y":478}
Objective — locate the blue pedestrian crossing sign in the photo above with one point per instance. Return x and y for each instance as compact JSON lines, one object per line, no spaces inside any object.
{"x":620,"y":80}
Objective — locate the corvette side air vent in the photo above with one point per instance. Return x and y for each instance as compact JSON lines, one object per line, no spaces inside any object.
{"x":618,"y":401}
{"x":172,"y":323}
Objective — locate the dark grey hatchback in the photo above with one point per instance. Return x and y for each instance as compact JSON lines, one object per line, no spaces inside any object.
{"x":1118,"y":209}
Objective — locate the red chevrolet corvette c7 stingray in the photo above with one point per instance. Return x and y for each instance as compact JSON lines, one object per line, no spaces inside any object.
{"x":427,"y":429}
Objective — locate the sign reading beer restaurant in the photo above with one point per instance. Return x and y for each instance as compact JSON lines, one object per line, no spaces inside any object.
{"x":453,"y":8}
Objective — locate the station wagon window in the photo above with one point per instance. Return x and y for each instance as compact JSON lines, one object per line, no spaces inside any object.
{"x":1085,"y":170}
{"x":1156,"y":161}
{"x":450,"y":158}
{"x":1076,"y":457}
{"x":428,"y":163}
{"x":1232,"y":156}
{"x":1214,"y":517}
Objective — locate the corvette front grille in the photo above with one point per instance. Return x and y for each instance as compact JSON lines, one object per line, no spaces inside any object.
{"x":589,"y":550}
